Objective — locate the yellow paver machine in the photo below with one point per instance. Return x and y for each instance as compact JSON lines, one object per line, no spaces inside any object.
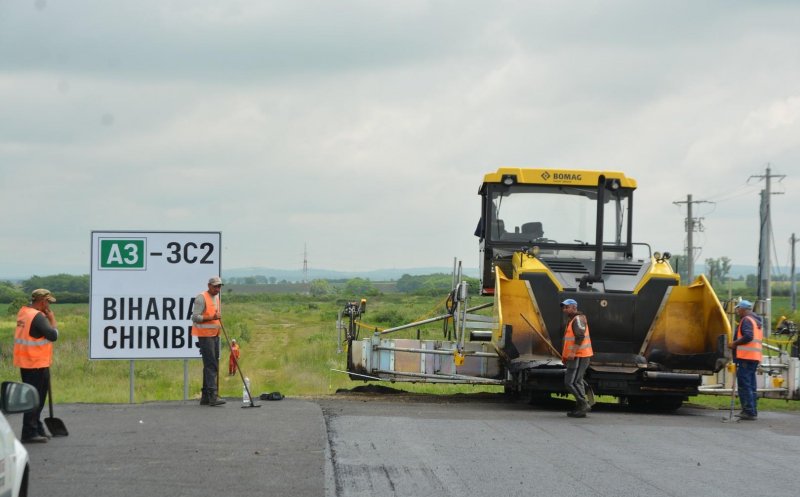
{"x":546,"y":235}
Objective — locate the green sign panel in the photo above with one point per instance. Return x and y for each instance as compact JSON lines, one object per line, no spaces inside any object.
{"x":122,"y":254}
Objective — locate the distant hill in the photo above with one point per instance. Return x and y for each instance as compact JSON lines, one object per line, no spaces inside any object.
{"x":329,"y":274}
{"x":390,"y":274}
{"x":737,"y":271}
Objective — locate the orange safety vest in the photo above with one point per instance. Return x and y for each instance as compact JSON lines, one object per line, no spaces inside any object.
{"x":751,"y":350}
{"x":582,"y":350}
{"x":207,"y":328}
{"x":29,"y":352}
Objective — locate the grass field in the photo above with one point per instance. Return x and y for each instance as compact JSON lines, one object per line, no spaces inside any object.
{"x":288,"y":344}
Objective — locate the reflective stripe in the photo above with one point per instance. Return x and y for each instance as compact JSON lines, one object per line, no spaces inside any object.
{"x":745,"y":347}
{"x":32,"y":343}
{"x":212,"y":326}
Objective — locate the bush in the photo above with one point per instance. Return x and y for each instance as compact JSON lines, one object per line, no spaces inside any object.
{"x":16,"y":305}
{"x":360,"y":287}
{"x":433,"y":285}
{"x":390,"y":318}
{"x":318,"y":288}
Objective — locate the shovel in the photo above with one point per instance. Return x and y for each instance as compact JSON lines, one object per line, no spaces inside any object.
{"x":55,"y":425}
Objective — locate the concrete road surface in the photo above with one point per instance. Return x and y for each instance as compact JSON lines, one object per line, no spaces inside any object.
{"x":397,"y":445}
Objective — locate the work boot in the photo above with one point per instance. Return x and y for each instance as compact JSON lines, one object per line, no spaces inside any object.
{"x":204,"y":400}
{"x":746,"y":416}
{"x":36,"y":439}
{"x":581,"y":408}
{"x":213,"y":400}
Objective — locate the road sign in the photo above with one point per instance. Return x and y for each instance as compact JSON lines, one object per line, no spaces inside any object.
{"x":143,"y":285}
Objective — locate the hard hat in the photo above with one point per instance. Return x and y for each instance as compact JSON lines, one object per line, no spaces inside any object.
{"x":744,"y":304}
{"x":233,"y":340}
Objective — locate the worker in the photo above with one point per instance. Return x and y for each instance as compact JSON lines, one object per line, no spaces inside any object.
{"x":234,"y":359}
{"x":746,"y":348}
{"x":206,"y":326}
{"x":33,"y":353}
{"x":576,"y":354}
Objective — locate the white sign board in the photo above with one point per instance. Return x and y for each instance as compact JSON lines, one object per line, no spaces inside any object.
{"x":143,"y":285}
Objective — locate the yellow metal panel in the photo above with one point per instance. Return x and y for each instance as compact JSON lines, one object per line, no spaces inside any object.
{"x":522,"y":263}
{"x":514,"y":299}
{"x":691,"y":321}
{"x":657,"y":270}
{"x":576,"y":177}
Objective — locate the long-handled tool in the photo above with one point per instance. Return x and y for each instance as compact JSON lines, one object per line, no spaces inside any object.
{"x":238,"y":368}
{"x":730,"y":419}
{"x":586,"y":387}
{"x":55,"y":425}
{"x":545,"y":340}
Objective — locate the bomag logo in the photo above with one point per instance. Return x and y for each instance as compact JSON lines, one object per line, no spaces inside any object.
{"x":562,"y":176}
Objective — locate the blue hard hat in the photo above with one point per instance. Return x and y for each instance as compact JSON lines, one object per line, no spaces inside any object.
{"x":570,"y":302}
{"x":744,"y":304}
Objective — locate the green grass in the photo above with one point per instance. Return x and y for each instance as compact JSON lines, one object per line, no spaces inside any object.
{"x":724,"y":402}
{"x":288,"y":344}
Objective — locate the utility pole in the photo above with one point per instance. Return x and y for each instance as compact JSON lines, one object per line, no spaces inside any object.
{"x":305,"y":263}
{"x":692,"y":224}
{"x":793,"y":241}
{"x":764,"y":267}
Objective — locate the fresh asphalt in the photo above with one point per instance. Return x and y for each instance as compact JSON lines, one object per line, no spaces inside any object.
{"x":395,"y":445}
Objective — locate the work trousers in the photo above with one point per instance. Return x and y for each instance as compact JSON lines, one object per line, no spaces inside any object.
{"x":573,"y":378}
{"x":209,"y":351}
{"x":232,"y":362}
{"x":39,"y":378}
{"x":746,"y":378}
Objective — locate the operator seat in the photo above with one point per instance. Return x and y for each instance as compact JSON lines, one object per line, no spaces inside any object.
{"x":534,"y":229}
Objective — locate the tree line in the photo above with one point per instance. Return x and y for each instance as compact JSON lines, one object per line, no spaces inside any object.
{"x":75,"y":289}
{"x":67,"y":288}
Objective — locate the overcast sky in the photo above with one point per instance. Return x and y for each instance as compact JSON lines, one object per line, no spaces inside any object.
{"x":364,"y":128}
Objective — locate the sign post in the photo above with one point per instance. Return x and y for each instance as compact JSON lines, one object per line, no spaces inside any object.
{"x":143,"y":285}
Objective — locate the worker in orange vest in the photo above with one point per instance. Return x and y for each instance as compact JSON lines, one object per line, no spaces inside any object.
{"x":206,"y":326}
{"x":33,"y":353}
{"x":233,"y":362}
{"x":746,"y":348}
{"x":576,"y":355}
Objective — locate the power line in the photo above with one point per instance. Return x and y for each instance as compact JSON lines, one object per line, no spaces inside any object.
{"x":740,"y":191}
